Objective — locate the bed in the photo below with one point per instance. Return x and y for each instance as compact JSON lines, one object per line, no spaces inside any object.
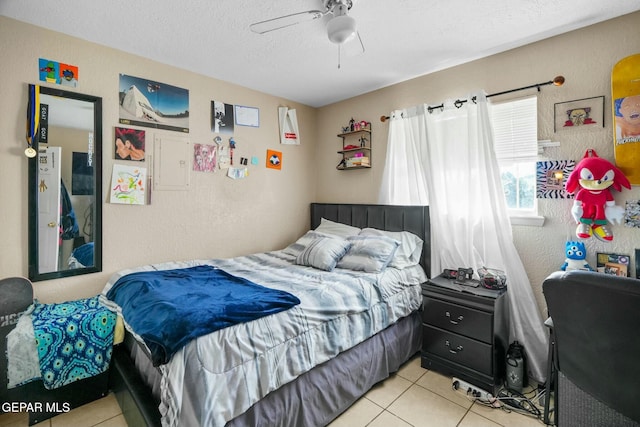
{"x":307,"y":384}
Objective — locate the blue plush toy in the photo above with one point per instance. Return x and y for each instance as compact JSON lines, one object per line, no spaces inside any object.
{"x":576,"y":257}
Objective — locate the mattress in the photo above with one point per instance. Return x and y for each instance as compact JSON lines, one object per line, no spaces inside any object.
{"x":219,"y":376}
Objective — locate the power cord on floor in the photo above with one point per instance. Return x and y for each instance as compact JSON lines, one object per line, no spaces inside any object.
{"x":512,"y":401}
{"x":518,"y":402}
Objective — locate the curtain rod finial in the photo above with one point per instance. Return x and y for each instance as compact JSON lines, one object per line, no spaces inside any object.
{"x":384,"y":118}
{"x":558,"y":81}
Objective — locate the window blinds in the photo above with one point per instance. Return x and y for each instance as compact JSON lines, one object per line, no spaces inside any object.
{"x":515,"y":129}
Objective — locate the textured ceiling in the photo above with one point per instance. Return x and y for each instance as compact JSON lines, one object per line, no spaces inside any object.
{"x":402,"y":38}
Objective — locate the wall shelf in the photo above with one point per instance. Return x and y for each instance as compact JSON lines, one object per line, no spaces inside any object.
{"x":356,"y":149}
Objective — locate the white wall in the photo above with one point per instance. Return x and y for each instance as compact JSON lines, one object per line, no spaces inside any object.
{"x":217,"y":217}
{"x":584,"y":57}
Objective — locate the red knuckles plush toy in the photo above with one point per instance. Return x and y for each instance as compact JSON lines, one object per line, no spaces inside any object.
{"x":593,"y":178}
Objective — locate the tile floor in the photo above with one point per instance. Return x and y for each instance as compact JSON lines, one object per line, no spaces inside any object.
{"x":411,"y":397}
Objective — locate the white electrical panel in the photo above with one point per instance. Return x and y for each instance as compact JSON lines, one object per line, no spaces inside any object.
{"x":171,"y":163}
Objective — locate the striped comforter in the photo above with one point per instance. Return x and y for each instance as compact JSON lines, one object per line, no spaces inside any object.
{"x":218,"y":376}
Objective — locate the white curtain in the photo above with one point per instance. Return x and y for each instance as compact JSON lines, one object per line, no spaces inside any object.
{"x":445,"y":158}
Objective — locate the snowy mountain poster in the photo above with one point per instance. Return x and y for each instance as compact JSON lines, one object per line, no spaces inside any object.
{"x":147,"y":103}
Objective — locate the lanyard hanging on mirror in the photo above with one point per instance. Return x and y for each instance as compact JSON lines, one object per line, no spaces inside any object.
{"x":33,"y":119}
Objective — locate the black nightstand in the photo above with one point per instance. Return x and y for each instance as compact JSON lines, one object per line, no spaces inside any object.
{"x":465,"y":332}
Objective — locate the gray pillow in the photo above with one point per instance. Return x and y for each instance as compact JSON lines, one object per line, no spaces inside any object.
{"x":371,"y":254}
{"x":410,"y":249}
{"x":300,"y":245}
{"x":337,"y":228}
{"x":323,"y":253}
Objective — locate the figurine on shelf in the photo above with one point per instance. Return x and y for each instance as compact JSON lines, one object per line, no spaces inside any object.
{"x":352,"y":124}
{"x":364,"y":124}
{"x":363,"y":141}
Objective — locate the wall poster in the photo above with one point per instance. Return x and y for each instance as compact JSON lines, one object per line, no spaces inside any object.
{"x":151,"y":104}
{"x":58,"y":73}
{"x":222,"y":118}
{"x":128,"y":185}
{"x":274,"y":159}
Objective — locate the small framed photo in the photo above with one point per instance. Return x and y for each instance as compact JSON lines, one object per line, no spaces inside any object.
{"x":615,"y":264}
{"x":579,"y":114}
{"x":551,"y":177}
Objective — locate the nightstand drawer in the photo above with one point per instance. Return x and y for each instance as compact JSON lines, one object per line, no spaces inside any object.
{"x":457,"y":348}
{"x":459,"y":319}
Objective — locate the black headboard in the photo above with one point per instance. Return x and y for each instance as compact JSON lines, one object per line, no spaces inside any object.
{"x":383,"y":217}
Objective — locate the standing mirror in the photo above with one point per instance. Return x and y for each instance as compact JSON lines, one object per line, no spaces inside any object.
{"x":65,"y":185}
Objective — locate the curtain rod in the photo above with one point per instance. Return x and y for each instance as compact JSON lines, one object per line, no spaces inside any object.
{"x":557,"y":81}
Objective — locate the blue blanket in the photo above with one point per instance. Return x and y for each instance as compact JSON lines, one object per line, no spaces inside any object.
{"x":168,"y":308}
{"x":74,"y":340}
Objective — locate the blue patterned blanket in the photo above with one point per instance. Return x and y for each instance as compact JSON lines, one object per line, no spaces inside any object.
{"x":169,"y":308}
{"x":74,"y":340}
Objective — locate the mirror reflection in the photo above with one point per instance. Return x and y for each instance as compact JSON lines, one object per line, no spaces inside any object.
{"x":65,"y":181}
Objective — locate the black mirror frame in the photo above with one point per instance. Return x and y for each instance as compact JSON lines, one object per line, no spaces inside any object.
{"x":32,"y":206}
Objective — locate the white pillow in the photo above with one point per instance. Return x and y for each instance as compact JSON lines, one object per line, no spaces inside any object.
{"x":410,"y":249}
{"x":323,"y":253}
{"x":337,"y":228}
{"x":301,"y":244}
{"x":371,"y":254}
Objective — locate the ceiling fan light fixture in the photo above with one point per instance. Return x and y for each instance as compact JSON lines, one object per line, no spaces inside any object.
{"x":341,"y":29}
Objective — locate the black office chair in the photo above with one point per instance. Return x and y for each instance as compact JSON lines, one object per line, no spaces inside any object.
{"x":596,"y":327}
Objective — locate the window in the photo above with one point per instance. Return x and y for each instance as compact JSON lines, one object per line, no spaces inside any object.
{"x":515,"y":126}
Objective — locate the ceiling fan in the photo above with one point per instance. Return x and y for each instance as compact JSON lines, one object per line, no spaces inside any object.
{"x":341,"y":28}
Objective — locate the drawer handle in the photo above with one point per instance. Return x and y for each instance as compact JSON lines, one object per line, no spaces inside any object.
{"x":454,"y":351}
{"x":454,"y":322}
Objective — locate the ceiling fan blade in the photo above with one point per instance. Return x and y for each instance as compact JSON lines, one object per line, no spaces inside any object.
{"x":285,"y":21}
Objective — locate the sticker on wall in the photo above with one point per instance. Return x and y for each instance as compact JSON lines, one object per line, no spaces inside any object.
{"x":128,"y":184}
{"x":551,"y":177}
{"x":274,"y":159}
{"x":237,"y":173}
{"x":204,"y":158}
{"x":151,"y":104}
{"x":129,"y":144}
{"x":222,"y":118}
{"x":58,"y":73}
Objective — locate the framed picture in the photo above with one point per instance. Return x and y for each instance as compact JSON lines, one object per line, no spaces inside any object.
{"x":247,"y":116}
{"x":579,"y":114}
{"x":615,"y":264}
{"x":551,"y":177}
